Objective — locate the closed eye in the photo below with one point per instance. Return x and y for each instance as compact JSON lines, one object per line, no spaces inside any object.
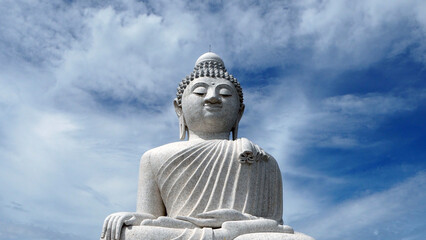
{"x":225,"y":92}
{"x":200,"y":90}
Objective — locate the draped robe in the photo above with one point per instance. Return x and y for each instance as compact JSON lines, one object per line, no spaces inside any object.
{"x":212,"y":175}
{"x":209,"y":176}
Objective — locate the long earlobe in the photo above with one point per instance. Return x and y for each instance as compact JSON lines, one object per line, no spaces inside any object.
{"x":182,"y":127}
{"x":235,"y":132}
{"x":235,"y":127}
{"x":182,"y":123}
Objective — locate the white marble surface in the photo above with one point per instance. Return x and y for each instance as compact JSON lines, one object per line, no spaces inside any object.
{"x":207,"y":187}
{"x":274,"y":236}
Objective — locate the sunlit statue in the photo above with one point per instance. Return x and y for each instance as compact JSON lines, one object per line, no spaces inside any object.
{"x":208,"y":187}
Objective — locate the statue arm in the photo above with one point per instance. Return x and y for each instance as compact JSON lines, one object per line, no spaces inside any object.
{"x":149,"y":198}
{"x":149,"y":204}
{"x":279,"y":194}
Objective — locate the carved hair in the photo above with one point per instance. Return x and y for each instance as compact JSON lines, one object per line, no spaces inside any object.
{"x":211,"y":69}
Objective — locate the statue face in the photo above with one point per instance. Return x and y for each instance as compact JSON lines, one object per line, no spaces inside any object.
{"x":210,"y":105}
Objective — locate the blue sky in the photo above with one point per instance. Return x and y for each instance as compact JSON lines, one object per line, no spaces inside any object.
{"x":335,"y":90}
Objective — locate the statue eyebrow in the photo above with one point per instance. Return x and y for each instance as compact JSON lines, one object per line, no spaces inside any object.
{"x":224,"y":85}
{"x":198,"y":85}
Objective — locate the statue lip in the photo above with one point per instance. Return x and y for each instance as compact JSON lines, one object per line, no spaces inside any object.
{"x":212,"y":106}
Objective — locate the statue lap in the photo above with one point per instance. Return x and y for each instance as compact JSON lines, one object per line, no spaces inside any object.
{"x":150,"y":232}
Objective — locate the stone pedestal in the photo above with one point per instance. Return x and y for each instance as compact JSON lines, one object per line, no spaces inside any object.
{"x":274,"y":236}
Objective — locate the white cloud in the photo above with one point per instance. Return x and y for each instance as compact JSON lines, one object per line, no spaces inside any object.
{"x":127,"y":57}
{"x":371,"y":104}
{"x":385,"y":214}
{"x":358,"y":33}
{"x":37,"y":31}
{"x":286,"y":122}
{"x":86,"y":88}
{"x":292,"y":121}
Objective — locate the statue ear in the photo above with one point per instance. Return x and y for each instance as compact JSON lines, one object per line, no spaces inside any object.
{"x":235,"y":128}
{"x":182,"y":124}
{"x":178,"y":109}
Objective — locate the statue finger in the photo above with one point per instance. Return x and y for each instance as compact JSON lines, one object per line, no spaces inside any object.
{"x":147,"y":222}
{"x":119,"y":224}
{"x":177,"y":222}
{"x":214,"y":223}
{"x":220,"y":213}
{"x":104,"y":227}
{"x":206,"y":215}
{"x":189,"y":219}
{"x":168,"y":222}
{"x":151,"y":222}
{"x":130,"y":221}
{"x":112,"y":231}
{"x":108,"y":227}
{"x":117,"y":227}
{"x":201,"y":222}
{"x":114,"y":227}
{"x":210,"y":214}
{"x":108,"y":231}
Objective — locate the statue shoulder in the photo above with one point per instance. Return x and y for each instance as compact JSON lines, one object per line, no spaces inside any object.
{"x":157,"y":156}
{"x":252,"y":151}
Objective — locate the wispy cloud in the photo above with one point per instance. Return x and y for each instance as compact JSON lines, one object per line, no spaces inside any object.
{"x":87,"y":87}
{"x":356,"y":34}
{"x":381,"y":215}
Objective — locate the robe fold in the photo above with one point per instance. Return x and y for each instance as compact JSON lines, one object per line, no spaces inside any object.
{"x":211,"y":175}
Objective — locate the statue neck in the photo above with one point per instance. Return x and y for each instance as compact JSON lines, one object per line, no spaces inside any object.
{"x":207,"y":135}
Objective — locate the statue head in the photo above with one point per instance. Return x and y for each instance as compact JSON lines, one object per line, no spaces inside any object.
{"x":209,"y":100}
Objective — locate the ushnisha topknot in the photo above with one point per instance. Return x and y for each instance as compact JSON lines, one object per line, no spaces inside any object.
{"x":209,"y":65}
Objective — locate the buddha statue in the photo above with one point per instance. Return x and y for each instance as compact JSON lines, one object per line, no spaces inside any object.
{"x":206,"y":187}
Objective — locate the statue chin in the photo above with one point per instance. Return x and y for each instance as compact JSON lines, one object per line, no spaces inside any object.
{"x":210,"y":124}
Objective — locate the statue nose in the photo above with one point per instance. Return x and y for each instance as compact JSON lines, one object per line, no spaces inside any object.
{"x":212,"y":97}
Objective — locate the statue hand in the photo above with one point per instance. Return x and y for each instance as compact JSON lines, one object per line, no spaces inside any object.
{"x":215,"y":218}
{"x":111,"y":229}
{"x":168,"y":222}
